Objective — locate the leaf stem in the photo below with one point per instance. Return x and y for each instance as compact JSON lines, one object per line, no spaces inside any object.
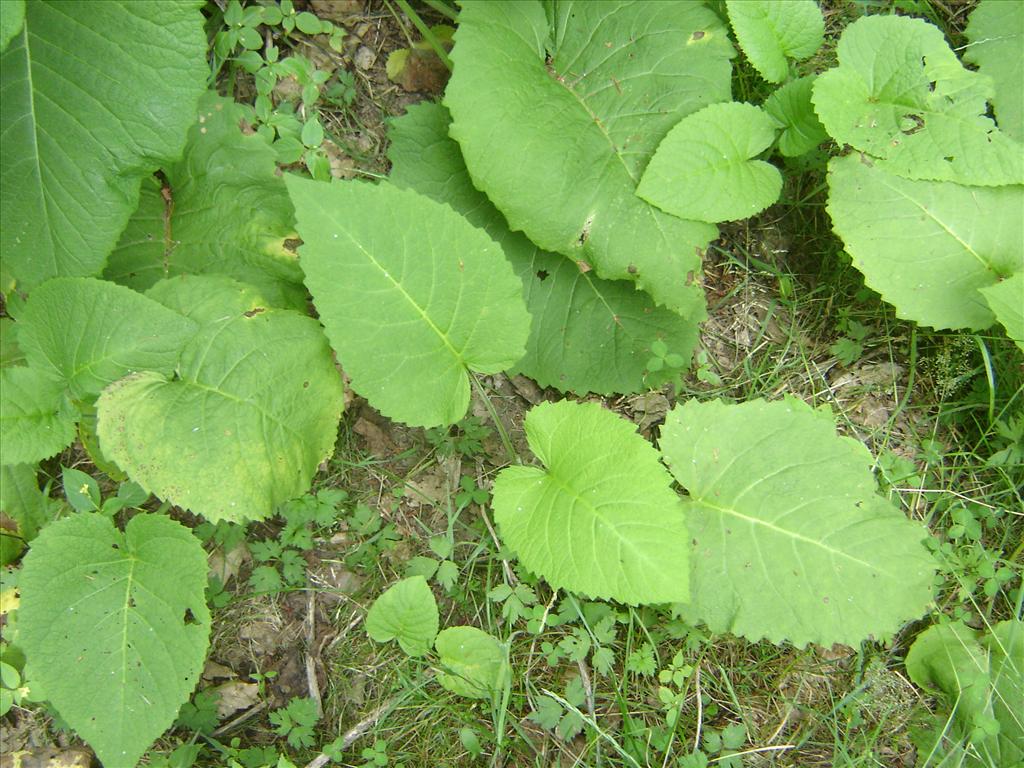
{"x":443,"y":9}
{"x":990,"y":376}
{"x":510,"y":449}
{"x":424,"y":30}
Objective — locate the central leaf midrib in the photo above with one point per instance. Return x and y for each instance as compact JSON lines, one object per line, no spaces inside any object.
{"x":405,"y":294}
{"x":36,"y":155}
{"x":784,"y":532}
{"x":925,"y":210}
{"x":577,"y":496}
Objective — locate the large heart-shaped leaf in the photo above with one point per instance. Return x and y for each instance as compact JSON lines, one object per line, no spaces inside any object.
{"x":996,"y":34}
{"x":116,"y":625}
{"x":251,"y":414}
{"x":601,"y":517}
{"x":36,"y":421}
{"x":558,"y":115}
{"x":88,"y":333}
{"x":704,"y":169}
{"x":227,"y":212}
{"x":587,"y":334}
{"x":412,"y":296}
{"x":928,"y":247}
{"x":900,"y":94}
{"x":772,"y":31}
{"x":790,"y":542}
{"x":93,"y":96}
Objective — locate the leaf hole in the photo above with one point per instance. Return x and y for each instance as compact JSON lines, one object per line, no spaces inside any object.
{"x":918,"y":124}
{"x":542,"y":275}
{"x":585,"y":232}
{"x":189,"y":617}
{"x":255,"y":311}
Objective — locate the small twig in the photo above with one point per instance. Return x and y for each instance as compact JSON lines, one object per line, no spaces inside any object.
{"x":779,"y":748}
{"x":354,"y":733}
{"x":250,"y":713}
{"x":509,"y":575}
{"x":311,"y":682}
{"x":588,"y":686}
{"x":359,"y":730}
{"x":352,"y":624}
{"x":700,"y":708}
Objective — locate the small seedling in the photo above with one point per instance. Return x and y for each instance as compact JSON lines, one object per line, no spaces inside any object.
{"x":296,"y":722}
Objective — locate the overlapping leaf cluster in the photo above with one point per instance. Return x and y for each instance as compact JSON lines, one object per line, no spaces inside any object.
{"x":929,"y":202}
{"x":548,"y":220}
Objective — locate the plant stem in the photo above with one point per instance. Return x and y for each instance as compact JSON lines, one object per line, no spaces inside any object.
{"x":443,"y":8}
{"x":990,"y":376}
{"x":513,"y":457}
{"x":414,"y":17}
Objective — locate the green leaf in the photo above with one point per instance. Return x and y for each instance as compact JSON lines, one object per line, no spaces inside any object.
{"x":36,"y":421}
{"x":601,"y":519}
{"x":981,"y":676}
{"x":308,"y":23}
{"x":94,"y":97}
{"x":21,"y":500}
{"x":1006,"y":300}
{"x":995,"y":32}
{"x":243,"y":426}
{"x":790,"y":542}
{"x":476,"y":664}
{"x":791,"y":106}
{"x":12,"y":18}
{"x":10,"y":352}
{"x":88,"y":333}
{"x":577,"y":103}
{"x":80,"y":489}
{"x":704,"y":168}
{"x":206,"y":299}
{"x":772,"y":31}
{"x":312,"y":133}
{"x":406,"y":612}
{"x":921,"y":245}
{"x":116,"y":643}
{"x":413,"y":298}
{"x":901,"y":95}
{"x":230,"y":214}
{"x":587,"y":334}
